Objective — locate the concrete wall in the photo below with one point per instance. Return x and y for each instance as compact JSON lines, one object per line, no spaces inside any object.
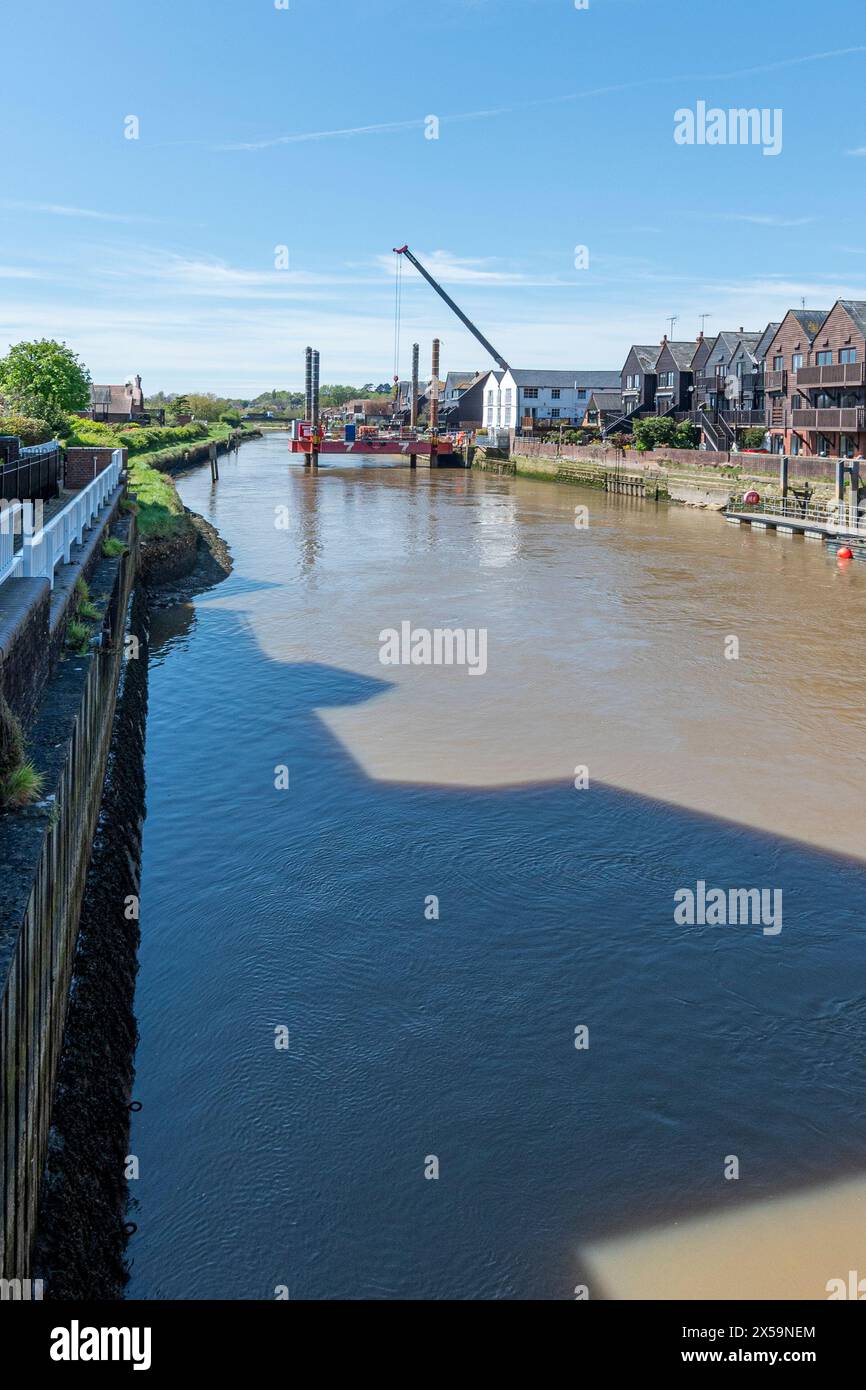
{"x":48,"y":855}
{"x":24,"y":644}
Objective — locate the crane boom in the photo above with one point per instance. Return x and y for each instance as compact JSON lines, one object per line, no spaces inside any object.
{"x":488,"y":347}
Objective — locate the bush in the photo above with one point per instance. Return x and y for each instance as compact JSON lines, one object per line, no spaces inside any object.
{"x":753,"y":438}
{"x":28,"y":429}
{"x":654,"y":430}
{"x":93,"y":432}
{"x":20,"y":783}
{"x":147,"y":438}
{"x":77,"y":636}
{"x":21,"y":786}
{"x":231,"y":417}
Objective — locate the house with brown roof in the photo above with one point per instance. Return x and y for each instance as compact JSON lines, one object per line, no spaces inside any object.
{"x":115,"y":405}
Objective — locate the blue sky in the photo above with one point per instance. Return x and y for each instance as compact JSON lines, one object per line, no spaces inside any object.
{"x":556,"y":130}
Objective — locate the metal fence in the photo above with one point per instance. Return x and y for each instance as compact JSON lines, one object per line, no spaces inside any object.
{"x":831,"y":515}
{"x":37,"y":472}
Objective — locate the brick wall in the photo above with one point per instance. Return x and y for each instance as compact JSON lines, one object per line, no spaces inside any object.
{"x":84,"y":462}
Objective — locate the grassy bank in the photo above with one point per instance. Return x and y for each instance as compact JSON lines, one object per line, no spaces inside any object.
{"x":152,"y":450}
{"x":161,"y":514}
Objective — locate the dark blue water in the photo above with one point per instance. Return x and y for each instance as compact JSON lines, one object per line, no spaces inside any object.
{"x":453,"y":1037}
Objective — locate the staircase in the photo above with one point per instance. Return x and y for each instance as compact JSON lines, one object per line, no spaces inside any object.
{"x":623,"y":423}
{"x":710,"y":431}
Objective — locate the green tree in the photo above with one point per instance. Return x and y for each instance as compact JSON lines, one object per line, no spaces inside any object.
{"x":206,"y":406}
{"x":753,"y":438}
{"x":663,"y":431}
{"x":44,"y":379}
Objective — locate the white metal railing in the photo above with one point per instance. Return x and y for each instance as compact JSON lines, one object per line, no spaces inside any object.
{"x":53,"y":542}
{"x":834,"y":516}
{"x":14,"y":517}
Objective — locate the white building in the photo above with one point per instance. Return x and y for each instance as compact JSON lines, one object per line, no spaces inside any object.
{"x":516,"y":399}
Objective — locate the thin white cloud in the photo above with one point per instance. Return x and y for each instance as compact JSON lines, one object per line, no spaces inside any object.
{"x":460,"y":270}
{"x":766,"y":219}
{"x":62,"y":210}
{"x":610,"y":89}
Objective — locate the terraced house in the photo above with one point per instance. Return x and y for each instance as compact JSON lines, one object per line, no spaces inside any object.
{"x":675,"y":367}
{"x":827,"y":393}
{"x":638,"y":381}
{"x":788,"y":353}
{"x":729,"y":387}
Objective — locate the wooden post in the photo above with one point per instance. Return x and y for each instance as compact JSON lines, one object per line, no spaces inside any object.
{"x":783,"y":476}
{"x":214,"y":464}
{"x":314,"y":454}
{"x":413,"y":418}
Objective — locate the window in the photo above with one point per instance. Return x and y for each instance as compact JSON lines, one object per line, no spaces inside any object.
{"x":796,"y":402}
{"x":637,"y":379}
{"x":508,"y":395}
{"x":530,"y":393}
{"x":846,"y":446}
{"x":797,"y":361}
{"x":824,"y":359}
{"x":554,"y":395}
{"x":847,"y":354}
{"x":490,"y":397}
{"x":629,"y":382}
{"x":554,"y":414}
{"x":778,"y":363}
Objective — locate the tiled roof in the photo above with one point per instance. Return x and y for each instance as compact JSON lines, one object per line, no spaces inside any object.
{"x":682,"y":353}
{"x":856,"y":310}
{"x":583,"y":380}
{"x":606,"y":400}
{"x":766,"y":338}
{"x":646,"y":354}
{"x":810,"y":320}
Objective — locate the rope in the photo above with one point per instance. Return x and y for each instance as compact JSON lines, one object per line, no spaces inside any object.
{"x":398,"y":306}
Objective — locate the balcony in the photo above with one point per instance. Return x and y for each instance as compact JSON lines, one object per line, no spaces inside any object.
{"x":744,"y":418}
{"x":836,"y":374}
{"x":850,"y":419}
{"x":776,"y":381}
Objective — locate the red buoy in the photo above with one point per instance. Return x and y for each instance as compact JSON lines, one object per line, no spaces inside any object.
{"x":846,"y":553}
{"x":752,"y":498}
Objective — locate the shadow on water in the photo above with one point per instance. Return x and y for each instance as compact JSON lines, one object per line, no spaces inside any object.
{"x":454,"y":1037}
